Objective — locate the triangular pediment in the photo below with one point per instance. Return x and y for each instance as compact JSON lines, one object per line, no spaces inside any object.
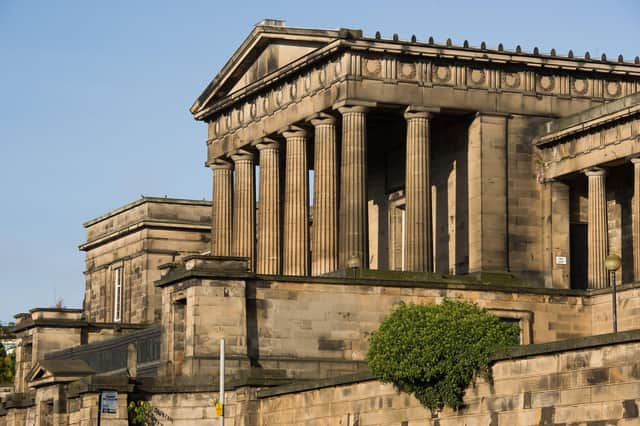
{"x":267,"y":49}
{"x":56,"y":371}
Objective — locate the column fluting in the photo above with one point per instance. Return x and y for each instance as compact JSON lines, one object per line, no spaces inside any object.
{"x":324,"y":240}
{"x":221,"y":225}
{"x":268,"y":250}
{"x":244,"y":207}
{"x":353,"y":190}
{"x":296,"y":204}
{"x":597,"y":239}
{"x":418,"y":243}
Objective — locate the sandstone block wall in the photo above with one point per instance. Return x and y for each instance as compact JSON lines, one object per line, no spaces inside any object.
{"x":334,"y":322}
{"x":588,"y":386}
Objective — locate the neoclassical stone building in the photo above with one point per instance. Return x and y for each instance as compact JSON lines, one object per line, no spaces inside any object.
{"x":425,"y":157}
{"x":352,"y":173}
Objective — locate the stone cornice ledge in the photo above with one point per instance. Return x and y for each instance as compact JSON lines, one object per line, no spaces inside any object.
{"x":583,"y":127}
{"x":579,"y":343}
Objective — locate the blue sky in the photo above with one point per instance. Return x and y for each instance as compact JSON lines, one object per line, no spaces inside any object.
{"x":94,"y":100}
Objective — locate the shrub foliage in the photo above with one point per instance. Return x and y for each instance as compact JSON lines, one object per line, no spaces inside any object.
{"x":436,"y":351}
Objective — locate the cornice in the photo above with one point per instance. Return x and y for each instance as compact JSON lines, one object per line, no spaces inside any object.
{"x":145,"y":224}
{"x":429,"y":50}
{"x":599,"y":117}
{"x":144,"y":200}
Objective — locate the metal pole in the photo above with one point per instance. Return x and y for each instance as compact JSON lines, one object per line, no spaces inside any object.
{"x":614,"y":301}
{"x":222,"y":380}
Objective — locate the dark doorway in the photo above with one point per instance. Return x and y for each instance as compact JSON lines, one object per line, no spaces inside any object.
{"x":579,"y":255}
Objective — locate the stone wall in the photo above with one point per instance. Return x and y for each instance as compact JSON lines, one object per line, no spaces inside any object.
{"x":315,"y":328}
{"x":628,"y":309}
{"x":587,"y":385}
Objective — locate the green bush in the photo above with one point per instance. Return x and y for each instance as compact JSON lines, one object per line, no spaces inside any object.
{"x":7,"y":366}
{"x":436,"y":351}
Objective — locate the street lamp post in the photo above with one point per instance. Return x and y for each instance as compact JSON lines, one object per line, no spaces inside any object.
{"x":612,"y":263}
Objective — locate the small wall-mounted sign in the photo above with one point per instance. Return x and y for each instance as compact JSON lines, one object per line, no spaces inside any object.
{"x":561,"y":260}
{"x":108,"y":402}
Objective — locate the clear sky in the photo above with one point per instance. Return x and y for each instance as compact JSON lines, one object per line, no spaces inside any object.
{"x":94,"y":100}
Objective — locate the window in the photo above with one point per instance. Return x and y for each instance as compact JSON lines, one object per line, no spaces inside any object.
{"x":117,"y":294}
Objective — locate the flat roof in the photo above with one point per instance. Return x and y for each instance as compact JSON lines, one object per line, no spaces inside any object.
{"x":143,"y":200}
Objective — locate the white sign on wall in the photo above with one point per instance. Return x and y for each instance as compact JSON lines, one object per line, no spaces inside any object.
{"x":108,"y":402}
{"x":561,"y":260}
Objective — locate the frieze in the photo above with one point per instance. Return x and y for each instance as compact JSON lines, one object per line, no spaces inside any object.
{"x":382,"y":66}
{"x":585,"y":143}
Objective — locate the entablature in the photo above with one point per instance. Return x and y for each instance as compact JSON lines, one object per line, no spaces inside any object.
{"x":430,"y":75}
{"x":611,"y":136}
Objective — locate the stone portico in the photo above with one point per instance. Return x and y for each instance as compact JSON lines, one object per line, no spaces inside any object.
{"x":421,"y":157}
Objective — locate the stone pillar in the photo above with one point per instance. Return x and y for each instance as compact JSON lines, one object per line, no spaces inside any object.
{"x":597,"y":240}
{"x":244,"y":207}
{"x":296,"y":204}
{"x":636,"y":218}
{"x":560,"y":272}
{"x":353,"y":189}
{"x":418,"y":240}
{"x":487,"y":191}
{"x":221,"y":208}
{"x":268,"y":256}
{"x":324,"y":241}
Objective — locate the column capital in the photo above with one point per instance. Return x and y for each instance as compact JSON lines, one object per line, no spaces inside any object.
{"x":266,"y":143}
{"x":293,"y":132}
{"x":242,"y":155}
{"x":221,"y":164}
{"x":595,"y":171}
{"x":635,"y":160}
{"x":322,"y":119}
{"x":352,"y":108}
{"x":413,"y":111}
{"x":354,"y":105}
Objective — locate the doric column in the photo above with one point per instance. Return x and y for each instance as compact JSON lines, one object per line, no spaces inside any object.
{"x":244,"y":207}
{"x":353,"y":190}
{"x":221,"y":208}
{"x":324,"y":241}
{"x":418,"y":242}
{"x":636,"y":218}
{"x":268,"y":256}
{"x":296,"y":204}
{"x":597,"y":240}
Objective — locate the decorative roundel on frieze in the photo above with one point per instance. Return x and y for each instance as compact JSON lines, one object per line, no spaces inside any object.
{"x":338,"y":67}
{"x":580,"y":86}
{"x":511,"y":80}
{"x":307,"y":82}
{"x":613,"y":88}
{"x":477,"y":77}
{"x":372,"y":67}
{"x":442,"y":73}
{"x":322,"y":76}
{"x":546,"y":82}
{"x":408,"y":70}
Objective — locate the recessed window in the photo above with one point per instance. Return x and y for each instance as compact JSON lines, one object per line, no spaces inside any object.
{"x":117,"y":295}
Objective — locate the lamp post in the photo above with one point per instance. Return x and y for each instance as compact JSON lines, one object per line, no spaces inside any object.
{"x":353,"y":263}
{"x":612,"y":263}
